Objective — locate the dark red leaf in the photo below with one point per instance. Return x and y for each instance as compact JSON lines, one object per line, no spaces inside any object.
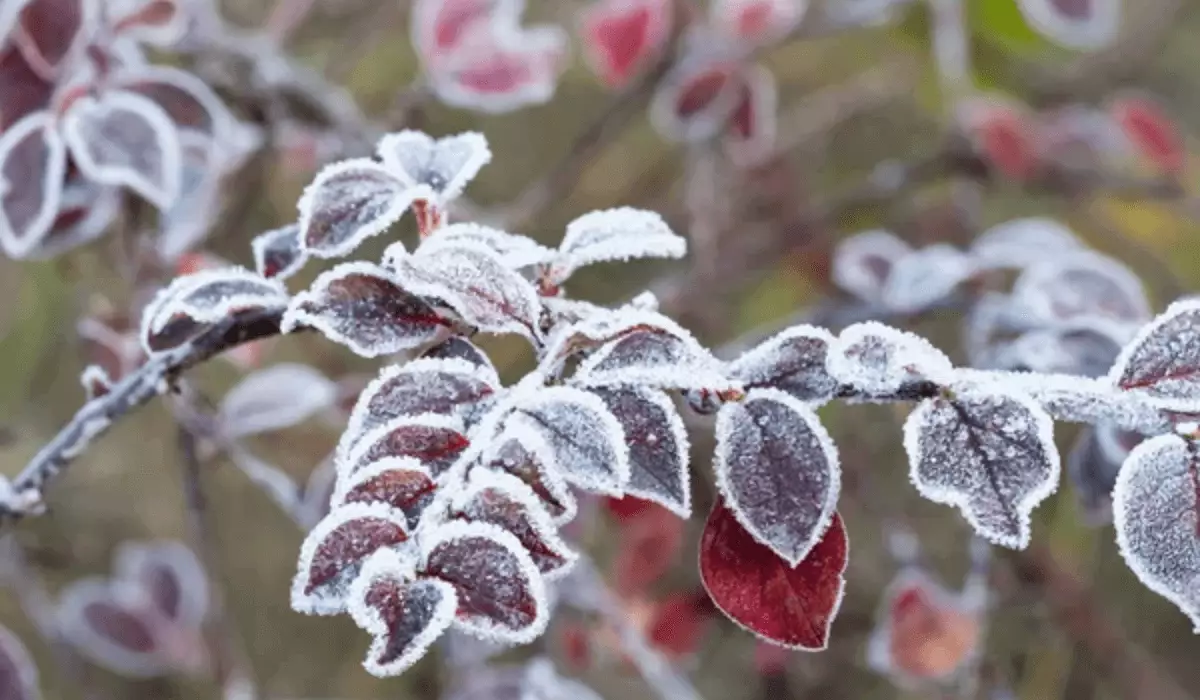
{"x":434,"y":441}
{"x":333,"y":553}
{"x":1152,"y":132}
{"x":679,"y":622}
{"x":514,"y":457}
{"x":505,"y":501}
{"x":649,"y":547}
{"x":52,"y":27}
{"x":619,"y":38}
{"x":401,"y":483}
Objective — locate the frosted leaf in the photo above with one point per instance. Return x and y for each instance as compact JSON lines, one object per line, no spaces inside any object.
{"x":125,"y":139}
{"x":863,"y":262}
{"x":778,"y":471}
{"x":443,"y":165}
{"x":85,"y":212}
{"x":877,"y":359}
{"x":615,"y":235}
{"x":404,"y":616}
{"x":434,"y":440}
{"x":170,"y":574}
{"x":1085,"y":348}
{"x":923,"y":277}
{"x":501,"y":595}
{"x":349,"y":202}
{"x":658,"y":446}
{"x":473,"y":281}
{"x":1020,"y":243}
{"x":189,"y":303}
{"x":514,"y":251}
{"x":988,"y":451}
{"x":186,"y":99}
{"x":364,"y":307}
{"x":401,"y":482}
{"x":757,"y":21}
{"x":333,"y":553}
{"x":522,"y":451}
{"x":33,"y":164}
{"x":695,"y":101}
{"x":1085,"y":25}
{"x":620,"y":39}
{"x":458,"y":347}
{"x":1092,"y":467}
{"x":314,"y":501}
{"x":588,"y":442}
{"x":503,"y":69}
{"x":505,"y":501}
{"x":439,"y":27}
{"x":1082,"y":283}
{"x":18,"y":674}
{"x":109,"y":625}
{"x":792,"y":361}
{"x":277,"y":253}
{"x":564,"y":311}
{"x":1163,"y":361}
{"x":95,"y":381}
{"x":648,"y":349}
{"x":750,"y":135}
{"x":274,"y":398}
{"x":1157,"y":521}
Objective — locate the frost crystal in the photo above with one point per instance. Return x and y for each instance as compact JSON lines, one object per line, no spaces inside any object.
{"x":1163,"y":361}
{"x":877,"y":359}
{"x":792,"y":361}
{"x":777,"y":470}
{"x":275,"y":398}
{"x":444,"y":165}
{"x":612,"y":235}
{"x":862,"y":263}
{"x":521,"y":450}
{"x":658,"y":446}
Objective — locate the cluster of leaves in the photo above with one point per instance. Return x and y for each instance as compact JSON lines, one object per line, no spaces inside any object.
{"x":86,"y":117}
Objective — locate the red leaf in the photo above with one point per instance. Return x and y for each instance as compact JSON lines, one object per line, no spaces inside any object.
{"x":400,"y":482}
{"x":791,"y":607}
{"x":333,"y":553}
{"x":619,"y":38}
{"x":679,"y":623}
{"x":649,"y":546}
{"x":1152,"y":132}
{"x":1005,"y":138}
{"x":627,"y":508}
{"x":926,"y":634}
{"x":433,"y":440}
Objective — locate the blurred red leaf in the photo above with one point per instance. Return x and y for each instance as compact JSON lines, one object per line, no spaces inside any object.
{"x":618,"y":38}
{"x":650,"y":545}
{"x":1004,"y":137}
{"x":1151,"y":131}
{"x":927,"y":634}
{"x":679,"y":622}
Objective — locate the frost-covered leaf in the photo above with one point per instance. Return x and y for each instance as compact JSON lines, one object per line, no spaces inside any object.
{"x":112,"y":626}
{"x":85,"y":212}
{"x":863,"y":262}
{"x":189,"y":102}
{"x":274,"y":398}
{"x":435,"y":440}
{"x":473,"y":281}
{"x":750,"y":134}
{"x":587,"y":440}
{"x":923,"y":277}
{"x":1157,"y":520}
{"x":524,"y":452}
{"x":878,"y":359}
{"x":792,"y":361}
{"x":1019,"y":243}
{"x":192,"y":302}
{"x":620,"y":38}
{"x":349,"y":202}
{"x":365,"y":307}
{"x":1005,"y":135}
{"x":444,"y":165}
{"x":1086,"y":348}
{"x":695,"y":101}
{"x":18,"y":674}
{"x":648,"y":349}
{"x":988,"y":451}
{"x":170,"y":574}
{"x":1092,"y":467}
{"x":95,"y":381}
{"x":501,"y":595}
{"x":757,"y":21}
{"x":125,"y":139}
{"x":1163,"y":361}
{"x":33,"y":164}
{"x":277,"y":253}
{"x":615,"y":235}
{"x":1085,"y":25}
{"x":333,"y":553}
{"x":514,"y":251}
{"x":54,"y":30}
{"x":502,"y":68}
{"x":658,"y":446}
{"x":505,"y":501}
{"x":404,"y":616}
{"x":458,"y":347}
{"x":1083,"y":283}
{"x":777,"y":470}
{"x":401,"y":482}
{"x":439,"y":27}
{"x":790,"y":606}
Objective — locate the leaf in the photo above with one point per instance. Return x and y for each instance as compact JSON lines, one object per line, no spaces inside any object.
{"x":404,"y":616}
{"x":1085,"y":25}
{"x":757,"y":21}
{"x":878,"y":360}
{"x":1162,"y":363}
{"x":1004,"y":135}
{"x":33,"y":165}
{"x":349,"y":202}
{"x":1151,"y":131}
{"x":85,"y":212}
{"x":274,"y":398}
{"x":988,"y":451}
{"x":505,"y":501}
{"x":192,"y":302}
{"x":1082,"y":283}
{"x":441,"y":26}
{"x":522,"y":451}
{"x":277,"y":253}
{"x":172,"y":576}
{"x":792,"y":361}
{"x":458,"y":347}
{"x":615,"y":235}
{"x":502,"y":69}
{"x":1086,"y":348}
{"x":1157,"y":520}
{"x":401,"y":482}
{"x":104,"y":624}
{"x":55,"y":30}
{"x":1019,"y":243}
{"x":924,"y":277}
{"x":620,"y":38}
{"x":514,"y":251}
{"x":474,"y":282}
{"x":18,"y":674}
{"x":501,"y":595}
{"x":186,"y":99}
{"x":789,"y":606}
{"x":649,"y":349}
{"x":777,"y":470}
{"x":365,"y":307}
{"x":696,"y":99}
{"x":160,"y":22}
{"x":124,"y":139}
{"x":658,"y":446}
{"x":436,"y":441}
{"x":587,"y":441}
{"x":648,"y":548}
{"x":444,"y":165}
{"x":863,"y":262}
{"x":333,"y":553}
{"x":750,"y":134}
{"x":678,"y":623}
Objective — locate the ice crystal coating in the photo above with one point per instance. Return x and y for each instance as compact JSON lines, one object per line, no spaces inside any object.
{"x":107,"y":623}
{"x":274,"y":398}
{"x":444,"y":165}
{"x":1082,"y":283}
{"x":777,"y":470}
{"x":278,"y":253}
{"x":1163,"y":361}
{"x":658,"y":446}
{"x":988,"y":451}
{"x":863,"y":262}
{"x":95,"y":381}
{"x":349,"y":202}
{"x":792,"y":361}
{"x":877,"y":359}
{"x":514,"y":251}
{"x":613,"y":235}
{"x":192,"y":302}
{"x":435,"y":440}
{"x":523,"y":451}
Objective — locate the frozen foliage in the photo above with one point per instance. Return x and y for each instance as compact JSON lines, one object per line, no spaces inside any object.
{"x":651,"y":350}
{"x":1019,"y":243}
{"x":348,"y":203}
{"x":193,"y":302}
{"x":990,"y":452}
{"x":620,"y":37}
{"x":33,"y":162}
{"x":277,"y":397}
{"x":401,"y":482}
{"x":778,"y":471}
{"x":1082,"y":284}
{"x":658,"y":446}
{"x":792,"y":361}
{"x":878,"y":359}
{"x":862,"y":263}
{"x":436,"y":440}
{"x":514,"y":251}
{"x":757,"y":21}
{"x":1085,"y":26}
{"x":278,"y":253}
{"x":18,"y":674}
{"x":922,"y":277}
{"x":1163,"y":361}
{"x":614,"y":235}
{"x":444,"y":165}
